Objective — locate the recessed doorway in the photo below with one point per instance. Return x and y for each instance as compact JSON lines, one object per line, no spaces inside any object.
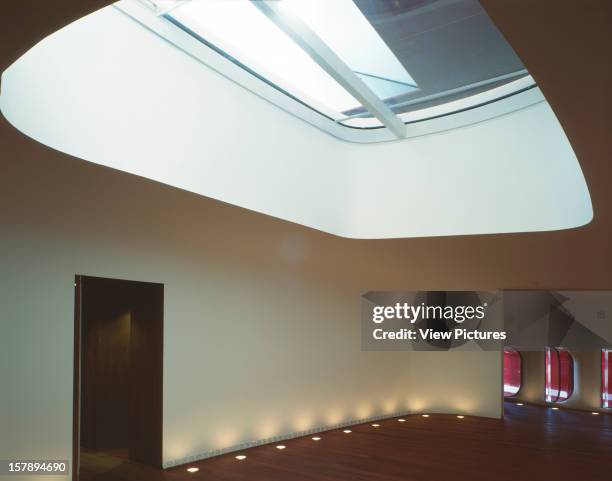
{"x":118,"y":367}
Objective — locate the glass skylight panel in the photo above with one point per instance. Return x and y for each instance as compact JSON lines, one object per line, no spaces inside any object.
{"x":344,"y":28}
{"x":451,"y":47}
{"x":240,"y":30}
{"x":422,"y":58}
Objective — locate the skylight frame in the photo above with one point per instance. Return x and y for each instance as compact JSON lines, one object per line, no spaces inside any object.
{"x":242,"y":32}
{"x":312,"y":44}
{"x":507,"y":98}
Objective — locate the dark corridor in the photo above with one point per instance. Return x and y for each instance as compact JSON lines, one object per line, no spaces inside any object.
{"x":120,"y":329}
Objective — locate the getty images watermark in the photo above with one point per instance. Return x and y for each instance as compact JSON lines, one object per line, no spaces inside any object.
{"x":485,"y":320}
{"x":432,"y":320}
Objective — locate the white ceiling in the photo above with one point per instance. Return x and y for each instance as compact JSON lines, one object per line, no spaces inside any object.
{"x":106,"y":90}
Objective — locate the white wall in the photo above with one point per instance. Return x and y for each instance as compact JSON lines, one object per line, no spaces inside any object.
{"x":261,"y":316}
{"x":133,"y":102}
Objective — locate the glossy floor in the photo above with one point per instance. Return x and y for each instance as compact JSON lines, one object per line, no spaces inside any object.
{"x":530,"y":443}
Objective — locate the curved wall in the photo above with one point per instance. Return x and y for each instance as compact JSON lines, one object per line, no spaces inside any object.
{"x":261,"y":316}
{"x":133,"y":102}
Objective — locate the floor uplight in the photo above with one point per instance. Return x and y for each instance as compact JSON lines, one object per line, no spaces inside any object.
{"x":402,"y":420}
{"x":316,"y":438}
{"x":595,"y":414}
{"x":425,"y":415}
{"x":241,"y":457}
{"x":519,"y":404}
{"x":193,"y":470}
{"x":375,"y":425}
{"x":460,"y":417}
{"x":347,"y":431}
{"x":555,"y":409}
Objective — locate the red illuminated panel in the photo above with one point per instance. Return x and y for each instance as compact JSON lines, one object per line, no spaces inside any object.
{"x":512,"y":372}
{"x":606,"y":381}
{"x":559,"y":375}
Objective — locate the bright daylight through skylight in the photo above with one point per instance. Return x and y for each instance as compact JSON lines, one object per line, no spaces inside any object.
{"x":241,"y":30}
{"x":407,"y":54}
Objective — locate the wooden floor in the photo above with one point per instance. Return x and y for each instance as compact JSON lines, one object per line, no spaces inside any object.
{"x":94,"y":463}
{"x":531,"y":443}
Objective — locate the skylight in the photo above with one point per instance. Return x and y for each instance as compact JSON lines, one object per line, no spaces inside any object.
{"x":344,"y":28}
{"x":362,"y":63}
{"x":176,"y":111}
{"x":243,"y":32}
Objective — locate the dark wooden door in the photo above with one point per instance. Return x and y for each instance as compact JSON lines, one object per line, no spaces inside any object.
{"x":121,"y":363}
{"x":146,"y":374}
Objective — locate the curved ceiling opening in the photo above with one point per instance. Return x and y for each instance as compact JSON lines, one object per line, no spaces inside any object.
{"x":156,"y":99}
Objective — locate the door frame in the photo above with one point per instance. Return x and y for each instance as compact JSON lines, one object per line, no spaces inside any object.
{"x":76,"y":383}
{"x":76,"y":395}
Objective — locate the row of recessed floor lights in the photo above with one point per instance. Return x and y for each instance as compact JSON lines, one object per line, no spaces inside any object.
{"x":242,"y":457}
{"x":555,"y":408}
